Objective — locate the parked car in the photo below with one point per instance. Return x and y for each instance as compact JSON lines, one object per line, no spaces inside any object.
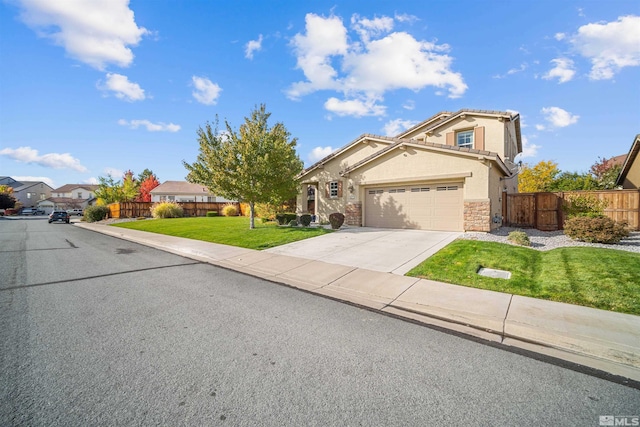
{"x":59,"y":216}
{"x":28,"y":211}
{"x":78,"y":212}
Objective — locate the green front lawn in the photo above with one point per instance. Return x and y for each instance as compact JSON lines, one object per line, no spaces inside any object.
{"x":232,"y":231}
{"x":602,"y":278}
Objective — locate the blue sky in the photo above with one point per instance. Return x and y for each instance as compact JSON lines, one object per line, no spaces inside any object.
{"x":89,"y":88}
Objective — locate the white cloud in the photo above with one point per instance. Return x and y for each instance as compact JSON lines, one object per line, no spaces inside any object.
{"x":93,"y":180}
{"x":44,"y":179}
{"x":563,"y":70}
{"x":122,"y":87}
{"x":253,"y":46}
{"x":368,"y":28}
{"x":560,"y":36}
{"x":404,"y":17}
{"x":511,"y":71}
{"x":409,"y":105}
{"x":394,"y":127}
{"x":206,"y":92}
{"x":540,"y":127}
{"x":354,"y":107}
{"x":366,"y":68}
{"x":51,"y":160}
{"x":528,"y":149}
{"x":320,"y":153}
{"x":558,"y":118}
{"x":94,"y":32}
{"x":609,"y":46}
{"x":151,"y":127}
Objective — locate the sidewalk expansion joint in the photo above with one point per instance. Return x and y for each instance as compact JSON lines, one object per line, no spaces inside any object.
{"x":399,"y":295}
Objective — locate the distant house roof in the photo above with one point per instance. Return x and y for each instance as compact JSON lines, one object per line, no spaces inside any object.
{"x":180,"y":187}
{"x":617,"y":160}
{"x":67,"y":188}
{"x":631,"y":157}
{"x":26,"y":184}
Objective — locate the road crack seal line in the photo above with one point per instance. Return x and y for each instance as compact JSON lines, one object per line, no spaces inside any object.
{"x":71,"y":243}
{"x":97,"y":276}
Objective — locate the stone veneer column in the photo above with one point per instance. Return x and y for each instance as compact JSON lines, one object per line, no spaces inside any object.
{"x":353,"y":214}
{"x":477,"y":215}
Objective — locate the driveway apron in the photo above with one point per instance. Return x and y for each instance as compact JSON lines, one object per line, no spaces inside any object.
{"x":379,"y":249}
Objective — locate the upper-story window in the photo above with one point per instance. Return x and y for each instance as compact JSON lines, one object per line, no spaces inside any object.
{"x":464,"y":139}
{"x":79,"y":194}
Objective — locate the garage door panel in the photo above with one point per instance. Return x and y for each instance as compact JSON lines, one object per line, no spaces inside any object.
{"x":426,"y":206}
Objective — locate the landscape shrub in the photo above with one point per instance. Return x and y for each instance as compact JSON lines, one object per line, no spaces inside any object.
{"x":519,"y":238}
{"x":293,"y":223}
{"x":229,"y":210}
{"x":336,"y":220}
{"x":210,"y":214}
{"x":305,"y":220}
{"x":95,"y":213}
{"x":167,"y":210}
{"x":285,"y":218}
{"x":595,"y":229}
{"x":584,"y":205}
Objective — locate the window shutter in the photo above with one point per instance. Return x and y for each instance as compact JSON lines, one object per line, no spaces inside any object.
{"x":478,"y":137}
{"x":339,"y":188}
{"x":451,"y":138}
{"x":327,"y":190}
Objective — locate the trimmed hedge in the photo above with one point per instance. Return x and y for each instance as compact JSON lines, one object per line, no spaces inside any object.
{"x":305,"y":220}
{"x":210,"y":214}
{"x":95,"y":213}
{"x":595,"y":230}
{"x":285,"y":218}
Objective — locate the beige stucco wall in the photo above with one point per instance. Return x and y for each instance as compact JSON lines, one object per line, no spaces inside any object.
{"x":632,"y":180}
{"x":499,"y":137}
{"x":331,"y":172}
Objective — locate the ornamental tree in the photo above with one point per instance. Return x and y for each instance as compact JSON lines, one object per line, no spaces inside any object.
{"x":144,"y":190}
{"x":255,"y":164}
{"x":538,"y":178}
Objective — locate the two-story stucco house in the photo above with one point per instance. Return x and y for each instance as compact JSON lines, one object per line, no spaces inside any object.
{"x":183,"y":191}
{"x":29,"y":193}
{"x":69,"y":196}
{"x":447,"y":173}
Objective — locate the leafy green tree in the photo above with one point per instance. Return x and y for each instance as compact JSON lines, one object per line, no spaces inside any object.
{"x":129,"y":187}
{"x":256,"y":164}
{"x":109,"y":190}
{"x":537,"y":178}
{"x":573,"y":181}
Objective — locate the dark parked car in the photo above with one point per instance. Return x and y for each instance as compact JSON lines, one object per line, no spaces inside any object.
{"x":59,"y":216}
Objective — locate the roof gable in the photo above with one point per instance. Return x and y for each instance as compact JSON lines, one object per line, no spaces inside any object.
{"x":429,"y":146}
{"x":67,"y":188}
{"x":629,"y":161}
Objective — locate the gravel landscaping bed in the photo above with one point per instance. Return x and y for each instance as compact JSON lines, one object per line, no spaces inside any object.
{"x":547,"y":240}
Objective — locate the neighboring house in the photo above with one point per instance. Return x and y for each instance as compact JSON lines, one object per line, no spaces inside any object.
{"x":447,"y":173}
{"x":182,"y":191}
{"x":630,"y":174}
{"x":69,"y":196}
{"x":29,"y":193}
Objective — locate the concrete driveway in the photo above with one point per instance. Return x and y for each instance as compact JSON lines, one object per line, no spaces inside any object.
{"x":378,"y":249}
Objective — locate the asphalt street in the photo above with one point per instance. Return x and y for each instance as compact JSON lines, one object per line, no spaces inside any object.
{"x":99,"y":331}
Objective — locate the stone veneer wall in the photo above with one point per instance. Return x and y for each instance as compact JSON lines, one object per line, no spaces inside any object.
{"x":353,"y":214}
{"x":477,"y":216}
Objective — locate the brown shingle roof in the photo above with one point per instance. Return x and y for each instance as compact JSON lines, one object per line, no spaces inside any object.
{"x":180,"y":187}
{"x":68,"y":188}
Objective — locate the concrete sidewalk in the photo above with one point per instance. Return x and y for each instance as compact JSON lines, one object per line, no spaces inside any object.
{"x":599,"y":339}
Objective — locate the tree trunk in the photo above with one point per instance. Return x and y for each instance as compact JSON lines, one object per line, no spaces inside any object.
{"x":252,"y":223}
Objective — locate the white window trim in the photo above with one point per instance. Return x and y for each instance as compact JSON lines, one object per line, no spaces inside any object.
{"x":469,"y":132}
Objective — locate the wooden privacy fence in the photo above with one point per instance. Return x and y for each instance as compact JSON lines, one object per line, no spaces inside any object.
{"x":143,"y":209}
{"x":544,"y":210}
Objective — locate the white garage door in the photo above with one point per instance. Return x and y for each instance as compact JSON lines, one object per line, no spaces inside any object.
{"x":426,"y":207}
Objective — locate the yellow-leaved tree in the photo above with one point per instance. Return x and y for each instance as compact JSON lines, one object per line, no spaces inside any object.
{"x":540,"y":177}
